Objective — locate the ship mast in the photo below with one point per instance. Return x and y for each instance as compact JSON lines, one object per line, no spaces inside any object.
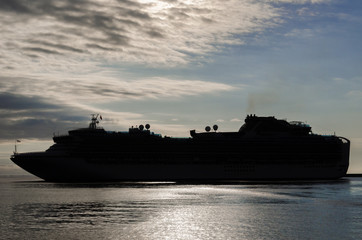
{"x":16,"y":150}
{"x":94,"y":121}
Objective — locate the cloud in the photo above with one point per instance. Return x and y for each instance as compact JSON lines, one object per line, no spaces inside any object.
{"x":59,"y":59}
{"x":108,"y":89}
{"x":301,"y":1}
{"x":152,"y":32}
{"x":355,"y":94}
{"x":302,"y":33}
{"x":35,"y":108}
{"x":236,"y":120}
{"x":26,"y":117}
{"x":33,"y":117}
{"x":10,"y":101}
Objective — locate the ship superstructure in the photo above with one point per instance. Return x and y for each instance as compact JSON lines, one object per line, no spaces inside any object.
{"x":263,"y":148}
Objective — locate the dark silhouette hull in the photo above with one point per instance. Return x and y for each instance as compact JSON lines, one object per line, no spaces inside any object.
{"x":244,"y":163}
{"x":180,"y":172}
{"x":92,"y":155}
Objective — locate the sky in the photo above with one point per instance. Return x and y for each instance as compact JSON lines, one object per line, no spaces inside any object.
{"x":177,"y":65}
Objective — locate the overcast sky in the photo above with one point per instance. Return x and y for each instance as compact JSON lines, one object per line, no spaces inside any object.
{"x":178,"y":65}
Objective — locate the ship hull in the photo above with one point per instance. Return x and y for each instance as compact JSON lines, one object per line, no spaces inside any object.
{"x":263,"y":149}
{"x":207,"y":167}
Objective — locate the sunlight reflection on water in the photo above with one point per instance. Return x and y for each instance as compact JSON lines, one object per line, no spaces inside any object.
{"x":39,"y":210}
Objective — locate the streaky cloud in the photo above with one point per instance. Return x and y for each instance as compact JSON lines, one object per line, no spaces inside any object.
{"x":41,"y":50}
{"x":10,"y":101}
{"x":57,"y":46}
{"x":111,"y":89}
{"x":154,"y":32}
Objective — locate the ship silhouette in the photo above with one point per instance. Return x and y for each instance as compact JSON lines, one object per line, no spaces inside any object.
{"x":264,"y":148}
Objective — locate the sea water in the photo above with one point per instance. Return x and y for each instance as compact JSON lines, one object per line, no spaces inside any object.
{"x":34,"y":209}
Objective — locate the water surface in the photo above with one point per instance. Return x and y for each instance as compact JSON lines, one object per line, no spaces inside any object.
{"x":33,"y":209}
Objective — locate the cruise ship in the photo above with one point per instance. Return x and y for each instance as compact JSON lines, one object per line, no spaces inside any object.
{"x":264,"y":148}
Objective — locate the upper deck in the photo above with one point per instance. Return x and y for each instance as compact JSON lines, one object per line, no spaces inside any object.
{"x":255,"y":125}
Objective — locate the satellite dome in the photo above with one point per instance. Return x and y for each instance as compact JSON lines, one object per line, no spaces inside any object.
{"x":215,"y":127}
{"x":141,"y":127}
{"x":148,"y":126}
{"x":207,"y":128}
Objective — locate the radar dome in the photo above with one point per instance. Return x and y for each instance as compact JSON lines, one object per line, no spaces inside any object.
{"x":148,"y":126}
{"x":207,"y":128}
{"x":215,"y":127}
{"x":141,"y":127}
